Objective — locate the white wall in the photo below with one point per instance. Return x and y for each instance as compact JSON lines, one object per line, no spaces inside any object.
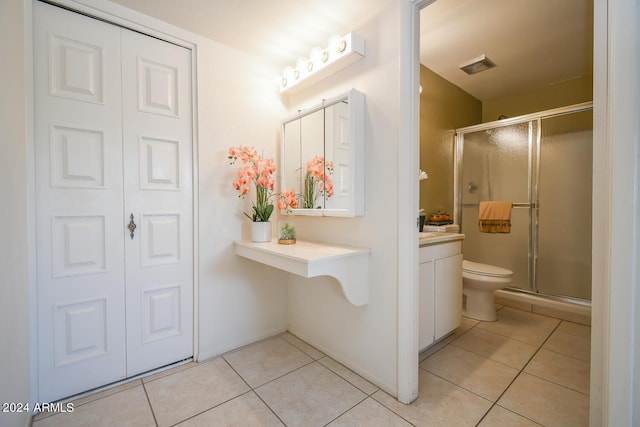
{"x":615,"y":348}
{"x":14,"y":273}
{"x":240,"y":301}
{"x":363,"y":338}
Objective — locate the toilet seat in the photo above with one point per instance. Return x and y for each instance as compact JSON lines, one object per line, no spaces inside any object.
{"x":485,"y":269}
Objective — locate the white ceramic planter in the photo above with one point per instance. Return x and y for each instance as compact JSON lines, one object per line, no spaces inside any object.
{"x":261,"y":231}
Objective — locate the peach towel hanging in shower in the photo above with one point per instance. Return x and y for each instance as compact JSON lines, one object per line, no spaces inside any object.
{"x":494,"y":217}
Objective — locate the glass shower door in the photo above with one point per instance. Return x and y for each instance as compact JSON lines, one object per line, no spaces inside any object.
{"x":564,"y":216}
{"x":496,"y":165}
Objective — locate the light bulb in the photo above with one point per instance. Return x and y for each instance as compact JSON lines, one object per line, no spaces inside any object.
{"x":290,"y":73}
{"x":338,"y":44}
{"x":334,"y":43}
{"x":319,"y":55}
{"x":304,"y":65}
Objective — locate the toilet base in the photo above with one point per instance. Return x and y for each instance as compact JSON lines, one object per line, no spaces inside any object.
{"x":479,"y":305}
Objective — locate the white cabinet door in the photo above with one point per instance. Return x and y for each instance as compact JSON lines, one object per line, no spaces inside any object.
{"x":440,"y":291}
{"x":426,"y":327}
{"x":158,"y":192}
{"x":99,"y":313}
{"x":447,"y":294}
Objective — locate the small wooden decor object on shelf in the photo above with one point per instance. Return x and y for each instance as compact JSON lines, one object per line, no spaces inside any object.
{"x":287,"y":241}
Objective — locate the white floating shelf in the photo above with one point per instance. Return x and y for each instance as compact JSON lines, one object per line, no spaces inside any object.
{"x":348,"y":265}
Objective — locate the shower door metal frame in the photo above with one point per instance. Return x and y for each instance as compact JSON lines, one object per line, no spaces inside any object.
{"x":533,"y":173}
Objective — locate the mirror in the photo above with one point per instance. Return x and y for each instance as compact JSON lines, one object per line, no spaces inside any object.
{"x":323,"y":157}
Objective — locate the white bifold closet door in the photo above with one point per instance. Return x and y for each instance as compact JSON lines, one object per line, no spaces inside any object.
{"x":113,"y":139}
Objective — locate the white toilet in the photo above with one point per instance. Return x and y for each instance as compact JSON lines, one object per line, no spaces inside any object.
{"x":478,"y":283}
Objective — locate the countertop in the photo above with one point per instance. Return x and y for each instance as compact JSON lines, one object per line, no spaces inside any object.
{"x":429,"y":238}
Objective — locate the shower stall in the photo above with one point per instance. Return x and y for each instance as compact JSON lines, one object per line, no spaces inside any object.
{"x":542,"y":163}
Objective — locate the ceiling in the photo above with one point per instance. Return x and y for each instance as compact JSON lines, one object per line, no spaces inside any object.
{"x":279,"y":31}
{"x":533,"y":43}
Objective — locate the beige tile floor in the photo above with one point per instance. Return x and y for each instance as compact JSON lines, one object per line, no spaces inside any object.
{"x":526,"y":369}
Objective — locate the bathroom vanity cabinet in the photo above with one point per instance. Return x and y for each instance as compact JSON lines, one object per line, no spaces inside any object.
{"x":440,"y":287}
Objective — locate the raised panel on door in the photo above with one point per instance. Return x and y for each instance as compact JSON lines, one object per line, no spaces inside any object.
{"x":79,"y":202}
{"x":158,"y":192}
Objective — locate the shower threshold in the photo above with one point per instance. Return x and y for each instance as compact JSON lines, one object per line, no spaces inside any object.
{"x":566,"y":308}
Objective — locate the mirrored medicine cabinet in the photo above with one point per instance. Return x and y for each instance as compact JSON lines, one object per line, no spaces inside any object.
{"x":323,"y":157}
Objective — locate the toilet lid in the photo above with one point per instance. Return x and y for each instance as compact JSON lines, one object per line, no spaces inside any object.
{"x":485,"y":269}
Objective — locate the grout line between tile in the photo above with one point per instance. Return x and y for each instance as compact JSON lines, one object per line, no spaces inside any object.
{"x":391,"y":409}
{"x":520,"y":371}
{"x":556,"y":383}
{"x":271,"y":380}
{"x":252,"y":389}
{"x":298,"y":348}
{"x":246,"y":346}
{"x":459,"y":386}
{"x":347,"y":410}
{"x":446,"y":342}
{"x":269,"y":407}
{"x":494,"y":360}
{"x":338,"y":374}
{"x":153,"y":414}
{"x":509,"y":410}
{"x":208,"y":409}
{"x":566,"y":355}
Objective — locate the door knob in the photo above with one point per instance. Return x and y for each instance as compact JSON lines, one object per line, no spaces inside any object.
{"x":132,"y":226}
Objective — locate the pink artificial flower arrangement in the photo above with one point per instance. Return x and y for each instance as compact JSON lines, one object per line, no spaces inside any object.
{"x":258,"y":171}
{"x":288,"y":200}
{"x":317,"y":181}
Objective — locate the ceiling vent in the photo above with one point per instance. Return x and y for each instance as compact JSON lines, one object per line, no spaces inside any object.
{"x":478,"y":64}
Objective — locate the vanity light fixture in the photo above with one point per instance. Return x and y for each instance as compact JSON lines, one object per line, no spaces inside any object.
{"x":342,"y":51}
